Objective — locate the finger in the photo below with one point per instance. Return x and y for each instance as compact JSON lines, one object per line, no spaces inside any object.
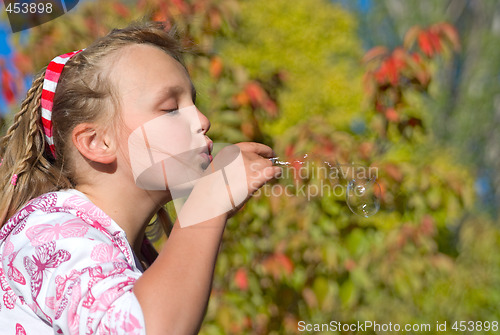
{"x":277,"y":171}
{"x":257,"y":158}
{"x":263,"y":177}
{"x":271,"y":172}
{"x":259,"y":148}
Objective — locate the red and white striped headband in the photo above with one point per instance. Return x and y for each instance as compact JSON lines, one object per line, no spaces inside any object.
{"x":52,"y":74}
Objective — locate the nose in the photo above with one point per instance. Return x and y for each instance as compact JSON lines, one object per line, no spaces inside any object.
{"x":204,"y":122}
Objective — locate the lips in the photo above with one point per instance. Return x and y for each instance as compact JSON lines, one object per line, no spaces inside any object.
{"x":206,"y":153}
{"x":210,"y":146}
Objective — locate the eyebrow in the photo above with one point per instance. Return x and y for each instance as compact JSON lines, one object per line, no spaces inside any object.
{"x":169,"y":91}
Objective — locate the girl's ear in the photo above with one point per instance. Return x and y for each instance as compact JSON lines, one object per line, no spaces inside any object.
{"x":94,"y":143}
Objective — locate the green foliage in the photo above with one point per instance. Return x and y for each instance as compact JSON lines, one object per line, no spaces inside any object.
{"x":313,"y":45}
{"x":464,"y":104}
{"x":397,"y":266}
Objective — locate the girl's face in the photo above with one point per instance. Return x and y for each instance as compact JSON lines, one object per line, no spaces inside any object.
{"x":164,"y":137}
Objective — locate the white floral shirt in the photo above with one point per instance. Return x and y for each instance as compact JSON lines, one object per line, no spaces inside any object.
{"x":67,"y":268}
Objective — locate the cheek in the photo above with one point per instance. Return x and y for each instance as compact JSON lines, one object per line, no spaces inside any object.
{"x":166,"y":134}
{"x":156,"y":140}
{"x":176,"y":136}
{"x":164,"y":151}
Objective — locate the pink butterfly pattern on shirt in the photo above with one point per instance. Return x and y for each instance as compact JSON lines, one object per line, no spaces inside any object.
{"x":12,"y":272}
{"x":20,"y":329}
{"x":56,"y":289}
{"x":9,"y":297}
{"x":44,"y":233}
{"x":130,"y":325}
{"x":89,"y":209}
{"x":105,"y":253}
{"x":43,"y":202}
{"x":46,"y":258}
{"x":106,"y":299}
{"x":18,"y":221}
{"x":62,"y":280}
{"x":8,"y":249}
{"x":73,"y":317}
{"x":96,"y":274}
{"x":62,"y":299}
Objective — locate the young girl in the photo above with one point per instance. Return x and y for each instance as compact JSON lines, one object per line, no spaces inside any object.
{"x":74,"y":255}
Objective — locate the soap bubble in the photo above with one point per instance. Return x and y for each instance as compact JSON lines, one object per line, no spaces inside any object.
{"x":362,"y":192}
{"x":363,"y":196}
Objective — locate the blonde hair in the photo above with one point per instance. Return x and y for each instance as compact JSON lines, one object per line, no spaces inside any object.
{"x":83,"y":92}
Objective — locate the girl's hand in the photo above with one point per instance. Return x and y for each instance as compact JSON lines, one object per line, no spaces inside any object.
{"x":259,"y":169}
{"x":234,"y":175}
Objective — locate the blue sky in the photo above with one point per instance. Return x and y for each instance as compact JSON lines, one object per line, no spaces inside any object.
{"x":5,"y":53}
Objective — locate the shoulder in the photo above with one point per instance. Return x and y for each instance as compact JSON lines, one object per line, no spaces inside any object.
{"x":64,"y":217}
{"x":64,"y":220}
{"x":42,"y":233}
{"x":68,"y":206}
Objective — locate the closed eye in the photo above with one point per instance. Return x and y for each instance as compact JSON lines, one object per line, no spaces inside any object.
{"x":171,"y":111}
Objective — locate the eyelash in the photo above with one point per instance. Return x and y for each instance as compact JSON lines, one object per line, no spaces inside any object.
{"x":170,"y":111}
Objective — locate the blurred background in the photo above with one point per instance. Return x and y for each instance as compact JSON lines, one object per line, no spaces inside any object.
{"x":411,"y":88}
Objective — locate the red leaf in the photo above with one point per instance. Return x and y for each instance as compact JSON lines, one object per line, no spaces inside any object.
{"x":424,"y":43}
{"x":451,"y":34}
{"x":159,"y":16}
{"x":285,"y":263}
{"x":394,"y":172}
{"x":383,"y":190}
{"x":242,"y":99}
{"x":416,"y":57}
{"x":380,"y":75}
{"x":391,"y":70}
{"x":256,"y":94}
{"x":399,"y":56}
{"x":411,"y":36}
{"x":22,"y":63}
{"x":278,"y":265}
{"x":7,"y":83}
{"x":374,"y":53}
{"x":121,"y":9}
{"x":241,"y":279}
{"x":216,"y":67}
{"x":435,"y":41}
{"x":270,"y":107}
{"x":391,"y":114}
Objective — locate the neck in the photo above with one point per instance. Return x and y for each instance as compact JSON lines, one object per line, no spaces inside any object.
{"x":130,"y":207}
